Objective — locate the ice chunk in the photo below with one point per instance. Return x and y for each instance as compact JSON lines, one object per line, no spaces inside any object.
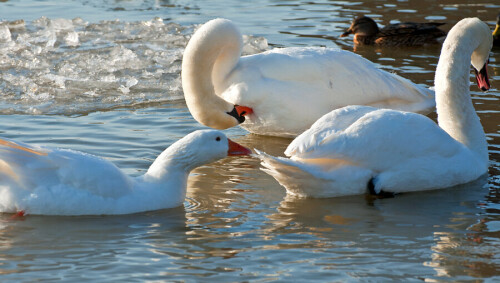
{"x":36,"y":50}
{"x":61,"y":24}
{"x":5,"y":35}
{"x":156,"y":22}
{"x":41,"y":22}
{"x":91,"y":93}
{"x":71,"y":38}
{"x":131,"y":82}
{"x":254,"y":44}
{"x":58,"y":81}
{"x":15,"y":25}
{"x":124,"y":89}
{"x":109,"y":64}
{"x":108,"y":78}
{"x":79,"y":22}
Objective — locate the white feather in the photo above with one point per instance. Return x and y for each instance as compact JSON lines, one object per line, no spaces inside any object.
{"x":54,"y":181}
{"x":287,"y":88}
{"x":401,"y":151}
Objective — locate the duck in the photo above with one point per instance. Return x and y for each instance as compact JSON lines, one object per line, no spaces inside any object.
{"x":283,"y":91}
{"x":496,"y":33}
{"x":361,"y":149}
{"x":56,"y":181}
{"x":367,"y":32}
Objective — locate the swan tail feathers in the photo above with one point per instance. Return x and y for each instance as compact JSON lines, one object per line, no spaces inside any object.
{"x":289,"y":175}
{"x":308,"y":180}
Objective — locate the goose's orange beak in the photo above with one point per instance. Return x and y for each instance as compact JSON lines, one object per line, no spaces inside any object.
{"x":236,"y":149}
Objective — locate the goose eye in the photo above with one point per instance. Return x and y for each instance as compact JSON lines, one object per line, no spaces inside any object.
{"x":217,"y":138}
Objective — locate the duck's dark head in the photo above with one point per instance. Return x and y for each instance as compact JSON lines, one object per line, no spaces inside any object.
{"x":362,"y":25}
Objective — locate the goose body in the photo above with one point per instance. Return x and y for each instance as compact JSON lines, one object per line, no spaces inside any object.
{"x":53,"y":181}
{"x":359,"y":148}
{"x":367,"y":32}
{"x":283,"y":91}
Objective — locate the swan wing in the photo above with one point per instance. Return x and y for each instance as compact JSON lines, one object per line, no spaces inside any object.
{"x":310,"y":143}
{"x":378,"y":139}
{"x":333,"y":76}
{"x":290,"y":88}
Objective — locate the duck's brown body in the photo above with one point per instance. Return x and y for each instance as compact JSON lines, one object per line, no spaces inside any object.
{"x":366,"y":32}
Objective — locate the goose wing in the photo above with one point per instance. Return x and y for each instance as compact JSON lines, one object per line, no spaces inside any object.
{"x":30,"y":168}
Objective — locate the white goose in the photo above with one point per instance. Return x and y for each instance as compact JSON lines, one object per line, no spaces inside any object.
{"x":50,"y":181}
{"x":284,"y":91}
{"x":358,"y":147}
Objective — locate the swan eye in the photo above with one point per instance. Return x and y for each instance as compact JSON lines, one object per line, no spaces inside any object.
{"x":217,"y":138}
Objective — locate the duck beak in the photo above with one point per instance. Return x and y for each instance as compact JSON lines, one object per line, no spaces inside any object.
{"x":235,"y":149}
{"x":239,"y":112}
{"x":346,"y":32}
{"x":482,"y":78}
{"x":496,"y":32}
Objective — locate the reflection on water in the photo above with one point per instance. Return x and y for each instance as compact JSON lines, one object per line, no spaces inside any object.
{"x":77,"y":243}
{"x":113,"y":90}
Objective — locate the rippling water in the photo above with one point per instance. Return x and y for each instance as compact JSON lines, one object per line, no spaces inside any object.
{"x":104,"y":77}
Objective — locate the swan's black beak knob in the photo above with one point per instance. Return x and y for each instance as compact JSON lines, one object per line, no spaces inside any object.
{"x":239,"y":113}
{"x":237,"y":116}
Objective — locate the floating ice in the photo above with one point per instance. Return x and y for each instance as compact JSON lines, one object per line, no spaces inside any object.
{"x":71,"y":38}
{"x":4,"y":34}
{"x":254,"y":45}
{"x":131,"y":82}
{"x":60,"y":24}
{"x":17,"y":24}
{"x":62,"y":66}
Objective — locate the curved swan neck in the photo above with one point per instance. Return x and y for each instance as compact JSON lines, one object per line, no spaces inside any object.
{"x":211,"y":54}
{"x":456,"y":113}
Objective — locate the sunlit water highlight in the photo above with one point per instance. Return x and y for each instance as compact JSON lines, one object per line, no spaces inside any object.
{"x":104,"y":77}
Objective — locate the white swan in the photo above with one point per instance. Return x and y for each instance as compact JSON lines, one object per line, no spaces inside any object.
{"x":50,"y":181}
{"x":284,"y":91}
{"x":356,"y":148}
